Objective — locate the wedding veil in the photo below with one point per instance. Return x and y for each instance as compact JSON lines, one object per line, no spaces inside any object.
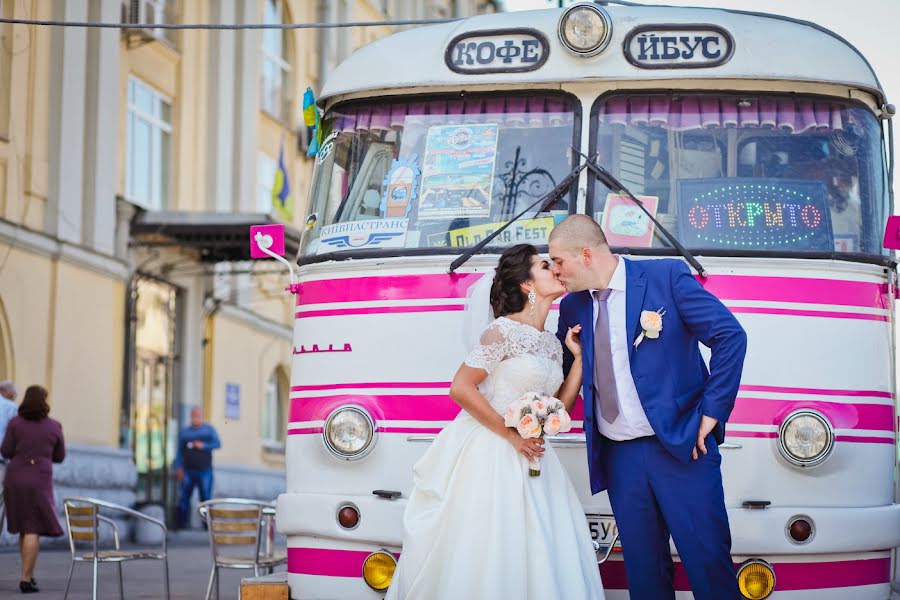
{"x":479,"y":313}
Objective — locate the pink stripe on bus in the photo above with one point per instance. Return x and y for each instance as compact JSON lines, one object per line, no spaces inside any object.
{"x":446,"y":384}
{"x":394,"y":408}
{"x":726,"y":287}
{"x":439,"y":407}
{"x":863,"y":440}
{"x":815,"y":391}
{"x":822,"y":575}
{"x":750,"y":434}
{"x":842,"y":416}
{"x":375,"y":384}
{"x":391,"y":287}
{"x":388,"y":407}
{"x":797,"y":289}
{"x":807,"y":313}
{"x":305,"y":430}
{"x":328,"y":562}
{"x":370,"y":310}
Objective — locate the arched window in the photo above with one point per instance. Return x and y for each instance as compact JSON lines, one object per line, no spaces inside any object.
{"x":273,"y":420}
{"x":275,"y":91}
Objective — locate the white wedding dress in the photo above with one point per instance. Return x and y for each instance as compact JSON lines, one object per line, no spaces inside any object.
{"x":477,"y":526}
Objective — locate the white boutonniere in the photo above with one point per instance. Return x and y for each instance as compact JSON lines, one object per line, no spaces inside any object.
{"x":651,"y":324}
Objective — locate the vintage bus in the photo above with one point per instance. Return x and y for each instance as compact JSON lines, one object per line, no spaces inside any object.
{"x":759,"y":142}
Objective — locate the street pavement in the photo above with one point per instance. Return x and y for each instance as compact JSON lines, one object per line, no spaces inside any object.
{"x":189,"y":566}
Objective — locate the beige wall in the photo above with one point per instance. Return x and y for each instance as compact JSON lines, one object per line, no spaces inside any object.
{"x":66,"y":332}
{"x":24,"y":152}
{"x":248,"y":357}
{"x":88,"y":338}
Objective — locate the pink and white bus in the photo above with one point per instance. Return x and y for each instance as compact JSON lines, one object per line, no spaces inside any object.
{"x":759,"y":142}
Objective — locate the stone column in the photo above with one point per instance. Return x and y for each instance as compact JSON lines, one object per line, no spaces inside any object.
{"x":101,"y":129}
{"x":246,"y":95}
{"x":221,"y":138}
{"x":68,"y":53}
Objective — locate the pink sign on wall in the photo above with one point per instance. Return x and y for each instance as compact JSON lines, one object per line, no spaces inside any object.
{"x":266,"y":236}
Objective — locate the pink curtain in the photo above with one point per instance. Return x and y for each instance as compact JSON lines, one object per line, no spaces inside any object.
{"x":710,"y":112}
{"x":514,"y":111}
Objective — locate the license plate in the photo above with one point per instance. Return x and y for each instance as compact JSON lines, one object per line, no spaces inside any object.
{"x":603,"y":530}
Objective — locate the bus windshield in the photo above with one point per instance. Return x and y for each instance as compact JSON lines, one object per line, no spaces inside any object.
{"x":441,"y":172}
{"x":778,"y":173}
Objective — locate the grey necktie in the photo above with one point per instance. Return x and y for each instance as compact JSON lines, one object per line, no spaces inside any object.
{"x":606,"y":396}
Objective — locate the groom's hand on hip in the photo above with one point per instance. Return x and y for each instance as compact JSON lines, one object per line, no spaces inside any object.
{"x":707,"y":424}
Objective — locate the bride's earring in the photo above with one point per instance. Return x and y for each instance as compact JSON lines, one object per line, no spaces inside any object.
{"x":532,"y":297}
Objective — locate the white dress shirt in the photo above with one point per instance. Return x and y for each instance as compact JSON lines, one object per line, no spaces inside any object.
{"x":632,"y":420}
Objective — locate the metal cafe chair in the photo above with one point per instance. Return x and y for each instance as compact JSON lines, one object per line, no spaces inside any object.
{"x":83,"y":520}
{"x":240,"y":533}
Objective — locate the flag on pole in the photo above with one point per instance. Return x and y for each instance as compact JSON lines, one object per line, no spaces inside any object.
{"x":282,"y":201}
{"x":311,"y":119}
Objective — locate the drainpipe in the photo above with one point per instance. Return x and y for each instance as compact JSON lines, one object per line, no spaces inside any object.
{"x":208,"y":333}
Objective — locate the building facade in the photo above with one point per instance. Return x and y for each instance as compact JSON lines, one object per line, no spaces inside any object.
{"x":131,"y":162}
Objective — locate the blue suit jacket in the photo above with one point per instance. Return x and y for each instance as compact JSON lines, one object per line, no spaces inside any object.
{"x":671,"y":378}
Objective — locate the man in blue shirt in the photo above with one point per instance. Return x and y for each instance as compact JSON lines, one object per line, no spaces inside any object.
{"x":193,"y":463}
{"x":8,"y":410}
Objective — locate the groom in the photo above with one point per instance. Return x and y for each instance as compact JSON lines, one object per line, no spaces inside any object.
{"x":653,"y":415}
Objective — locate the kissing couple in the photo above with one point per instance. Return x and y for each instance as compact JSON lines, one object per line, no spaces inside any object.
{"x":476,"y":526}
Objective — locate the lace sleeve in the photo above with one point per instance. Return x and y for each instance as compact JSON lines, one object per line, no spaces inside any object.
{"x":492,"y":348}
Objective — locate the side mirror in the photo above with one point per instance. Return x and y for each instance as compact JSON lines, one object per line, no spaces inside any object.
{"x":892,"y":233}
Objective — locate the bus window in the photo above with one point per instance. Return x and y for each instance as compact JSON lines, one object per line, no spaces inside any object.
{"x":440,"y":172}
{"x":775,"y":173}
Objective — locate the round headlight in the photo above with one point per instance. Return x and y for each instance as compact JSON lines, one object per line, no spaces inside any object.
{"x":349,"y":432}
{"x":756,"y":579}
{"x":378,"y":570}
{"x":585,"y":29}
{"x":806,"y":438}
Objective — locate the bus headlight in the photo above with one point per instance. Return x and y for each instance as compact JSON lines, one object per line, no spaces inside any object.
{"x":806,"y":438}
{"x":756,"y":579}
{"x":585,"y":29}
{"x":349,"y":432}
{"x":378,"y":570}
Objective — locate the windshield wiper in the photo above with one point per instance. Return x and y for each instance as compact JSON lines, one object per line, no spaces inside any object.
{"x":616,"y":186}
{"x":543,"y":201}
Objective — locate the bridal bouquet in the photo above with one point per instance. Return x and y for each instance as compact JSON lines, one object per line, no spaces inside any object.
{"x":534,"y":415}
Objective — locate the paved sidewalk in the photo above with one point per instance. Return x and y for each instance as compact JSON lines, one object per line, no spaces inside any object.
{"x":189,"y":565}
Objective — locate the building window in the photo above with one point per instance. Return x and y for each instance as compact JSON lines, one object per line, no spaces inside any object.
{"x":265,"y":178}
{"x":275,"y":93}
{"x":148,"y":149}
{"x":151,"y":12}
{"x":274,"y":409}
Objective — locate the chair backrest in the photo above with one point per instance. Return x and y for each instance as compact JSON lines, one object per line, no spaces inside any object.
{"x":82,"y":522}
{"x":234,"y":527}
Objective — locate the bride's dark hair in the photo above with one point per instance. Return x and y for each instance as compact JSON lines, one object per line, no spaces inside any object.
{"x":513,"y":270}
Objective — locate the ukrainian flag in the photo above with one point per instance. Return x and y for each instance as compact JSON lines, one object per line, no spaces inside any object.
{"x":282,"y":201}
{"x":311,"y":119}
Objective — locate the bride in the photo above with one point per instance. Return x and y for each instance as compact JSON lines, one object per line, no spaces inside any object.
{"x":476,"y":525}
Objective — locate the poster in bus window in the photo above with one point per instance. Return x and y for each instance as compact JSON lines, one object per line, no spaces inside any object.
{"x":754,"y":214}
{"x":458,"y":171}
{"x":400,"y":188}
{"x":625,"y":224}
{"x":528,"y":231}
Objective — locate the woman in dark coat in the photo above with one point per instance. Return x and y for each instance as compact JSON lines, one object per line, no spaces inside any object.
{"x":33,"y":442}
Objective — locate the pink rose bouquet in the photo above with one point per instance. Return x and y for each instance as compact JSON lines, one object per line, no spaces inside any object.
{"x":534,"y":415}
